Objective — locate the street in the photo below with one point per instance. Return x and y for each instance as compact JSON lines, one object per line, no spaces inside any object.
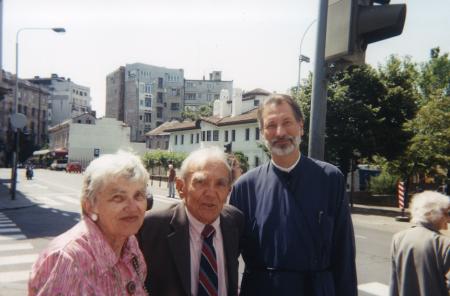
{"x":25,"y":231}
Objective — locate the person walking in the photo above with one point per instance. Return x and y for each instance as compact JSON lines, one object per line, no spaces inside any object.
{"x":171,"y":181}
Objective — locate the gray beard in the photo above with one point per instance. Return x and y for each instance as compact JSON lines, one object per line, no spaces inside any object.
{"x":279,"y":151}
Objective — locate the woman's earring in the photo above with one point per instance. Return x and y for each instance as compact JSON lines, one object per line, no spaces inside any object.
{"x":94,"y":217}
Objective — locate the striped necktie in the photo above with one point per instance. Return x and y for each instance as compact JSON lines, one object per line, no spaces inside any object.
{"x":207,"y":277}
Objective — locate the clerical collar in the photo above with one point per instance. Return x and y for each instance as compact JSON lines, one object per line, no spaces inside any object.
{"x":289,"y":169}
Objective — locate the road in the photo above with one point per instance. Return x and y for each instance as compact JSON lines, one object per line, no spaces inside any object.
{"x":25,"y":232}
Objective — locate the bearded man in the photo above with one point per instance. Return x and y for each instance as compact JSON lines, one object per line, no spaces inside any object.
{"x":298,"y":238}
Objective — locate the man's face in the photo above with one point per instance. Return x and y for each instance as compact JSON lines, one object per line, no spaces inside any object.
{"x":205,"y":190}
{"x":282,"y":132}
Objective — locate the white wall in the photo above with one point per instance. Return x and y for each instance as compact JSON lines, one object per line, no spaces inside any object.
{"x":108,"y":135}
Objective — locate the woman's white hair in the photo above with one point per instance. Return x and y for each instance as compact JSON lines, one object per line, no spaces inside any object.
{"x":429,"y":207}
{"x":198,"y":159}
{"x":108,"y":167}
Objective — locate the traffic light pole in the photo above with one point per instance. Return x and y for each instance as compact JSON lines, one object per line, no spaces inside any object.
{"x":316,"y":145}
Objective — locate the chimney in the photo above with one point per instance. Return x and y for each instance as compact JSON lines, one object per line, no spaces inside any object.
{"x":237,"y":102}
{"x":216,"y":108}
{"x":223,"y":107}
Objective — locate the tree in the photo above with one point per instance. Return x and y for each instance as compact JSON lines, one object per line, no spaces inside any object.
{"x":194,"y":114}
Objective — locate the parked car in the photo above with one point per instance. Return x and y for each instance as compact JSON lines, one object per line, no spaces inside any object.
{"x":59,"y":164}
{"x":73,"y":167}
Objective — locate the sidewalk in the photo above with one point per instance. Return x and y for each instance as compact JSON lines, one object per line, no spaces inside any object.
{"x":377,"y":210}
{"x":6,"y":203}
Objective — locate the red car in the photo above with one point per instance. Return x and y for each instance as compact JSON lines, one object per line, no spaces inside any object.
{"x":73,"y":167}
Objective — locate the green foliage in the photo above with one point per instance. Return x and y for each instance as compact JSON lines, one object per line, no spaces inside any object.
{"x":264,"y":148}
{"x":384,"y":183}
{"x":243,"y":160}
{"x":162,"y":158}
{"x":194,"y":114}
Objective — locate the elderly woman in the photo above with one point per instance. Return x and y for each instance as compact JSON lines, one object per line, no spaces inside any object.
{"x":99,"y":255}
{"x":421,"y":255}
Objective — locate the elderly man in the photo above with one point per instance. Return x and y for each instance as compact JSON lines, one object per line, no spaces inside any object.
{"x":192,"y":248}
{"x":421,"y":254}
{"x":298,"y":238}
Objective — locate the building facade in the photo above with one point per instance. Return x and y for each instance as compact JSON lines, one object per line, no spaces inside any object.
{"x":33,"y":103}
{"x":144,"y":97}
{"x":233,"y":122}
{"x":67,"y":99}
{"x":205,"y":92}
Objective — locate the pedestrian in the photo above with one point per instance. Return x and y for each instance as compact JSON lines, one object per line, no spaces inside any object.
{"x":174,"y":242}
{"x":421,"y":254}
{"x":171,"y":181}
{"x":236,"y":170}
{"x":298,"y":238}
{"x":100,"y":254}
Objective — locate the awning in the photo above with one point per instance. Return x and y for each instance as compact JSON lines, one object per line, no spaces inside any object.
{"x":41,"y":152}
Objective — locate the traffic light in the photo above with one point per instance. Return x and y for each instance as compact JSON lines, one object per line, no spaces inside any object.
{"x":353,"y":24}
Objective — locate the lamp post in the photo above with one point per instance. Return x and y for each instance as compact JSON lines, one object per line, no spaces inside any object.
{"x":303,"y":58}
{"x":16,"y":104}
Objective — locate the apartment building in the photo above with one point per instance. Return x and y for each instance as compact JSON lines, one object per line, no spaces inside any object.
{"x":204,"y":92}
{"x":144,"y":96}
{"x":67,"y":99}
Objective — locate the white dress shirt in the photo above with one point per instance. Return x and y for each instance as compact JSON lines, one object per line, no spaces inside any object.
{"x":196,"y":242}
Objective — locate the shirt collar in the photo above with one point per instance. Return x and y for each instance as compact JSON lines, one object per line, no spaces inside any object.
{"x":197,"y":225}
{"x":102,"y":252}
{"x":289,"y":169}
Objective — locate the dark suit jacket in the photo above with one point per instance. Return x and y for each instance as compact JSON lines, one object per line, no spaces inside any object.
{"x":164,"y":241}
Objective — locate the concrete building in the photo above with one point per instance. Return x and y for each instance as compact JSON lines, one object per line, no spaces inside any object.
{"x":85,"y":137}
{"x":234,"y":121}
{"x":67,"y":99}
{"x":204,"y":92}
{"x":33,"y":103}
{"x":144,"y":97}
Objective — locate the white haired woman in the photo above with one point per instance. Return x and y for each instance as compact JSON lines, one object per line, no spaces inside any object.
{"x":421,"y":254}
{"x":100,"y":255}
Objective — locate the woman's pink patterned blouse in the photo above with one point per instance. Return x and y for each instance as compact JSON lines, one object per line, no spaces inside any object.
{"x":81,"y":262}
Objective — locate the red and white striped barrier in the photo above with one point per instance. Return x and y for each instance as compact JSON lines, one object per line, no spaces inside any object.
{"x":401,"y":194}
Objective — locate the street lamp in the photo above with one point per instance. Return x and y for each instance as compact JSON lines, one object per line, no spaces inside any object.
{"x":16,"y":105}
{"x":303,"y":58}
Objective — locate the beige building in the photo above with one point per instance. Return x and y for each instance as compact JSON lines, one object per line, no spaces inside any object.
{"x":33,"y":103}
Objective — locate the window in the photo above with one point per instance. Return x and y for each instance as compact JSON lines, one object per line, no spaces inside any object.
{"x":25,"y":110}
{"x":190,"y":96}
{"x":256,"y":161}
{"x":208,"y":136}
{"x":226,"y":136}
{"x":176,"y":139}
{"x":140,"y":117}
{"x":203,"y":136}
{"x":189,"y":84}
{"x":182,"y":139}
{"x":147,"y":117}
{"x":175,"y":92}
{"x":247,"y":134}
{"x":233,"y":135}
{"x":148,"y":88}
{"x":160,"y":82}
{"x":159,"y":97}
{"x":159,"y":111}
{"x":257,"y":133}
{"x":174,"y":106}
{"x":141,"y":102}
{"x":148,"y":101}
{"x":215,"y":135}
{"x":192,"y":138}
{"x":197,"y":138}
{"x":256,"y":103}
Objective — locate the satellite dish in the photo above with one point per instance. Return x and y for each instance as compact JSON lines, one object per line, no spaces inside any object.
{"x":18,"y":120}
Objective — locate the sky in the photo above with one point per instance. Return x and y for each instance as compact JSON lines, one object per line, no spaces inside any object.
{"x":255,"y":43}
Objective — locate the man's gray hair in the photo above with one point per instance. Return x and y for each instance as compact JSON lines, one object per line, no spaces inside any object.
{"x":112,"y":166}
{"x":200,"y":157}
{"x":278,"y":99}
{"x":429,"y":207}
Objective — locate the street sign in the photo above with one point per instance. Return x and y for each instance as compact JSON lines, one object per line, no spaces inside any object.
{"x":18,"y":120}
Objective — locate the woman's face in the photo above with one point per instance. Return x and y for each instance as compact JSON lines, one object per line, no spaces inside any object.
{"x":120,"y":206}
